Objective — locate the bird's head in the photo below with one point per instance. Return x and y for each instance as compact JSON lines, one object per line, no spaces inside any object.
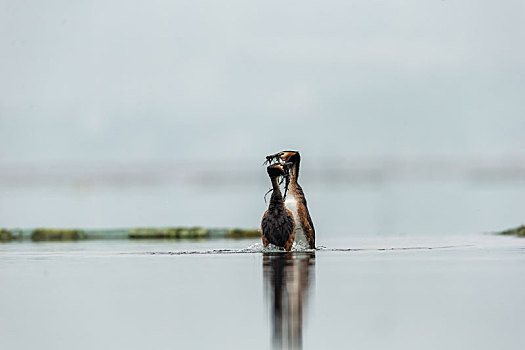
{"x":279,"y":169}
{"x":284,"y":157}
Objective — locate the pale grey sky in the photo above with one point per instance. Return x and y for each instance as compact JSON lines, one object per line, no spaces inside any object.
{"x":167,"y":80}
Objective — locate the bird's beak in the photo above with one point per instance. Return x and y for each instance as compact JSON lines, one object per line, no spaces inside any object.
{"x":273,"y":157}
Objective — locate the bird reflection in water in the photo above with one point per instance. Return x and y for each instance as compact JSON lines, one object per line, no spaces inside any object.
{"x":287,"y":280}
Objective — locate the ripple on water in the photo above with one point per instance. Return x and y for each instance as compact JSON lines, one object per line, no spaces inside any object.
{"x":259,"y":248}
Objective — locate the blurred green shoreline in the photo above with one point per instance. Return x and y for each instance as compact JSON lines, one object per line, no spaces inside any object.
{"x":191,"y":233}
{"x":57,"y":234}
{"x":519,"y":231}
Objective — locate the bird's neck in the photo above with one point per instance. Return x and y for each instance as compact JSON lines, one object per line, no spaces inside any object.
{"x":293,"y":187}
{"x":277,"y":198}
{"x":294,"y":173}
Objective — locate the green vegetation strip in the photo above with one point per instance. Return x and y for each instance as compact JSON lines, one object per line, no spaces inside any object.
{"x":54,"y":234}
{"x":520,"y":232}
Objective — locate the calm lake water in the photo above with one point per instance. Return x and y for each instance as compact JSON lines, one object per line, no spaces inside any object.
{"x":453,"y":292}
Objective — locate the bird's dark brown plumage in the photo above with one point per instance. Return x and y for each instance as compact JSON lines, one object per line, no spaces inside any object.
{"x":277,"y":225}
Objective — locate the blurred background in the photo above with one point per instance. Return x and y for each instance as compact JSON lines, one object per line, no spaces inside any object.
{"x":409,"y":116}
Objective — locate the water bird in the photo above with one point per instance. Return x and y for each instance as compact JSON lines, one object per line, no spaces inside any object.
{"x":295,"y":199}
{"x":278,"y":225}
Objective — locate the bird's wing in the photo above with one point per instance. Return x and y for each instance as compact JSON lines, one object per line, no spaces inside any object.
{"x":306,"y":223}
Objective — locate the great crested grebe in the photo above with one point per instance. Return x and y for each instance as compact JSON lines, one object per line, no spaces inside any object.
{"x":277,"y":225}
{"x":295,"y":199}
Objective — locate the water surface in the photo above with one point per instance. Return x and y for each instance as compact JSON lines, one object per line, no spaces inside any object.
{"x":452,"y":292}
